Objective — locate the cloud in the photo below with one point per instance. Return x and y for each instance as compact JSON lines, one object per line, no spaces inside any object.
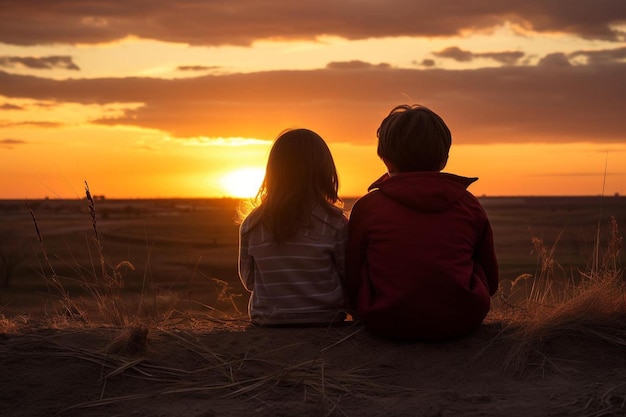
{"x":509,"y":104}
{"x":427,"y":63}
{"x":460,"y":55}
{"x":43,"y":63}
{"x":601,"y":56}
{"x":556,"y":59}
{"x":504,"y":57}
{"x":455,"y":53}
{"x":31,"y":22}
{"x":144,"y":147}
{"x":223,"y":142}
{"x":356,"y":65}
{"x":199,"y":68}
{"x":11,"y":143}
{"x":9,"y":106}
{"x":42,"y":124}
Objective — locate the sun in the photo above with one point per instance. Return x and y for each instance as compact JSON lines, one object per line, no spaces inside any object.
{"x":243,"y":183}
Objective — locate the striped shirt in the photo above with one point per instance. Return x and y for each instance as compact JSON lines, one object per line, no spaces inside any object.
{"x":299,"y":281}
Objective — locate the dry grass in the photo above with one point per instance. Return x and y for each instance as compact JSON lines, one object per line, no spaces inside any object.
{"x":9,"y":325}
{"x":585,"y":306}
{"x":105,"y":302}
{"x":220,"y":373}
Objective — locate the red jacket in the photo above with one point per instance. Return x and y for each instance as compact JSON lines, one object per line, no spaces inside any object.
{"x":420,"y":257}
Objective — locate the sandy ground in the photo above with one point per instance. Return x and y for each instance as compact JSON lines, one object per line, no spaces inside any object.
{"x":202,"y":369}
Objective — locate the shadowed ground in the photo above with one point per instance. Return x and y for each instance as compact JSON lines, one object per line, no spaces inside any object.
{"x":233,"y":370}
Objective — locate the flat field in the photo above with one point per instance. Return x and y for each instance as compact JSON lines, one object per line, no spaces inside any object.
{"x":187,"y":349}
{"x":182,"y":253}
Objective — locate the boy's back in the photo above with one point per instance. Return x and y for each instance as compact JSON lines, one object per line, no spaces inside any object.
{"x":425,"y":269}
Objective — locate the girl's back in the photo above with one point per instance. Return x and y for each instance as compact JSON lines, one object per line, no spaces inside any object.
{"x":300,"y":279}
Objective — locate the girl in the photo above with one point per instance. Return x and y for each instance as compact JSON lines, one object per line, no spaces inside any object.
{"x":291,"y":246}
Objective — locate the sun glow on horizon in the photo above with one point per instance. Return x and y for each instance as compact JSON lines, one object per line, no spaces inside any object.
{"x":243,"y":183}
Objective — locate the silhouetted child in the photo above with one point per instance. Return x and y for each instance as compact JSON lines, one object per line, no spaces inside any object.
{"x":292,"y":245}
{"x":420,"y":259}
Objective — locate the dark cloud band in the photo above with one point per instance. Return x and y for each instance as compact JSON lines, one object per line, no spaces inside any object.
{"x":565,"y":103}
{"x":241,"y":22}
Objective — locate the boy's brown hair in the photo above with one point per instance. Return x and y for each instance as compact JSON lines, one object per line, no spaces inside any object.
{"x":414,"y":138}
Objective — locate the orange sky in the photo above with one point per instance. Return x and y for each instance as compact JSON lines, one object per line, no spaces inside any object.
{"x":168,"y":99}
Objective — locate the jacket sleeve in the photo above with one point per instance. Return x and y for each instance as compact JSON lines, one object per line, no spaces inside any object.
{"x":246,"y":262}
{"x":486,"y":257}
{"x":339,"y":256}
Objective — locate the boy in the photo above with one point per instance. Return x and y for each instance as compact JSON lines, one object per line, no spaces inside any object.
{"x":420,"y":256}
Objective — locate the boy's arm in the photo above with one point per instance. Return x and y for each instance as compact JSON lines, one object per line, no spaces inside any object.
{"x":486,"y":256}
{"x":339,"y":256}
{"x":355,"y":255}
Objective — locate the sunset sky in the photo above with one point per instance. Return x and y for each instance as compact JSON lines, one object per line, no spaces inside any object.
{"x":184,"y":98}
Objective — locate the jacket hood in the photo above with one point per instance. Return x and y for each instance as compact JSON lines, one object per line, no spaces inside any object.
{"x":424,"y":191}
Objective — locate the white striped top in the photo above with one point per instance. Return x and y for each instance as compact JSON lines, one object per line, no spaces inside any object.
{"x":299,"y":281}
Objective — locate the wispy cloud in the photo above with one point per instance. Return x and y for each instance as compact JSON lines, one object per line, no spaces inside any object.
{"x":230,"y":142}
{"x":601,"y":56}
{"x":43,"y":124}
{"x":356,"y":65}
{"x":11,"y":143}
{"x":458,"y":54}
{"x":9,"y":106}
{"x":199,"y":68}
{"x":39,"y":63}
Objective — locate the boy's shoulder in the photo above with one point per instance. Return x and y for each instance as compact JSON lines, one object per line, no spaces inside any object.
{"x":372,"y":197}
{"x":373,"y":201}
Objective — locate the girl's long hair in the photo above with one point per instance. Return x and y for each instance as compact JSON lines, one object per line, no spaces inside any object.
{"x":300,"y":174}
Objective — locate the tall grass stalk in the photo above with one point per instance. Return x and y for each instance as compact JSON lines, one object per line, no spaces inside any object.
{"x":106,"y":289}
{"x":53,"y":281}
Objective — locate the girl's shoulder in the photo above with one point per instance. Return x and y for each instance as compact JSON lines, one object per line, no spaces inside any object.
{"x":250,"y":221}
{"x":331,"y":215}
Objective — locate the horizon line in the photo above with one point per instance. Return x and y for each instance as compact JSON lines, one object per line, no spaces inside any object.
{"x":105,"y":198}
